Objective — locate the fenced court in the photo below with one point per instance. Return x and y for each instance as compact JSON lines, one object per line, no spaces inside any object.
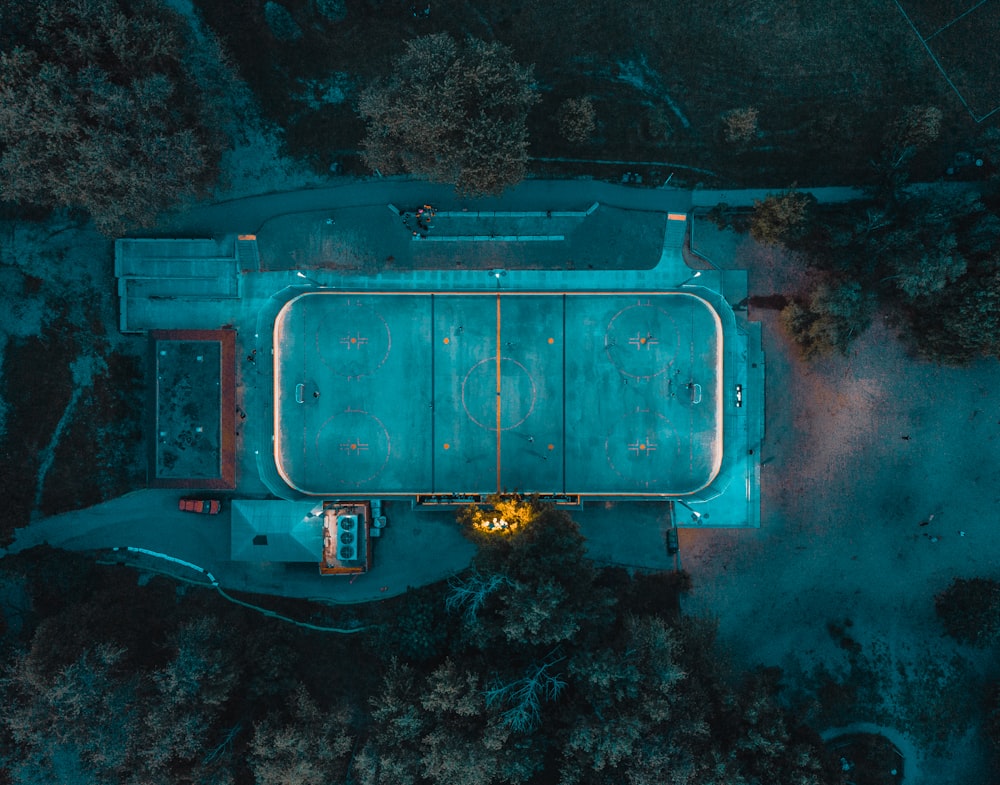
{"x":589,"y":394}
{"x":961,"y":37}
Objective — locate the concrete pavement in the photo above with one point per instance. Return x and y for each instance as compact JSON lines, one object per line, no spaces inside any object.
{"x":416,"y":548}
{"x":248,"y":215}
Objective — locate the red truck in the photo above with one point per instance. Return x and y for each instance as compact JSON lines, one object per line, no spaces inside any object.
{"x":204,"y":506}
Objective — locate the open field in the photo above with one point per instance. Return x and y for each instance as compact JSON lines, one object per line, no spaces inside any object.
{"x":860,"y":528}
{"x":825,"y":81}
{"x":965,"y":46}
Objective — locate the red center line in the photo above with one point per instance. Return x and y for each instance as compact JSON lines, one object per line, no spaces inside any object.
{"x":498,"y":393}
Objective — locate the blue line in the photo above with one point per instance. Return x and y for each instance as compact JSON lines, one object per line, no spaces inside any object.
{"x":564,"y":341}
{"x":433,"y":412}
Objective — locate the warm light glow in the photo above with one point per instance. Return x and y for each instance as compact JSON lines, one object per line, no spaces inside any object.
{"x":504,"y":515}
{"x":493,"y":525}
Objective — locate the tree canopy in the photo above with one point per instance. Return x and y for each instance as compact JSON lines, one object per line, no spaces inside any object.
{"x":97,"y":110}
{"x":454,"y":112}
{"x":932,"y":262}
{"x":780,"y":217}
{"x":141,"y":686}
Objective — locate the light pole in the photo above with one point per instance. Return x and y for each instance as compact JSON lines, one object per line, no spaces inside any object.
{"x":685,"y":283}
{"x":313,"y":281}
{"x":695,"y":515}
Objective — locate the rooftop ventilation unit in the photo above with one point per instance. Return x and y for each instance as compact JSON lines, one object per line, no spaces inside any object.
{"x":346,"y":553}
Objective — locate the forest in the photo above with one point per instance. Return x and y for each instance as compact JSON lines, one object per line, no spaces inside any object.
{"x":533,"y":666}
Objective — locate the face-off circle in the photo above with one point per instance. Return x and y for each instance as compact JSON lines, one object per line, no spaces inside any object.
{"x":353,"y":340}
{"x":643,"y":448}
{"x":516,"y":398}
{"x":642,"y":341}
{"x":353,"y":447}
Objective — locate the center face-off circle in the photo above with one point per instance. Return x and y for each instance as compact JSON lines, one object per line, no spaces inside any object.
{"x":516,"y":398}
{"x":353,"y":447}
{"x":642,"y":341}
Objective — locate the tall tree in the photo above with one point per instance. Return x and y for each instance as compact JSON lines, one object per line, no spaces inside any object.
{"x":97,"y":110}
{"x":302,"y":746}
{"x":830,"y":318}
{"x":437,"y":728}
{"x":452,"y":112}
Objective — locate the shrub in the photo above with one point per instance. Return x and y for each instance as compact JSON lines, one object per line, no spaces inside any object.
{"x":740,"y":125}
{"x":970,"y":610}
{"x":577,"y":119}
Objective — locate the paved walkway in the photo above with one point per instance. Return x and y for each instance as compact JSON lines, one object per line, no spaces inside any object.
{"x":911,"y":756}
{"x":748,"y":196}
{"x":417,"y":547}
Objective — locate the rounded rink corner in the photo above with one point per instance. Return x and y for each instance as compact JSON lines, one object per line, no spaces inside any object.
{"x":597,"y":395}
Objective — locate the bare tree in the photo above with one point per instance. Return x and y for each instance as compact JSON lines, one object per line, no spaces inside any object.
{"x":521,"y":699}
{"x":468,"y":594}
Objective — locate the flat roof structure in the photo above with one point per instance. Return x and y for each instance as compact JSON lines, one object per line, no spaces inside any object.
{"x":599,"y":394}
{"x":193,"y":409}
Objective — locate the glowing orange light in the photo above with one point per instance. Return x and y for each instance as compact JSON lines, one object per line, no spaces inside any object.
{"x":354,"y":446}
{"x":642,"y":446}
{"x":552,"y":340}
{"x":447,"y":446}
{"x":447,"y":340}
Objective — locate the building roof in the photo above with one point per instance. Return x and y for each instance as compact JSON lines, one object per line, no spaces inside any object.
{"x":275,"y":531}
